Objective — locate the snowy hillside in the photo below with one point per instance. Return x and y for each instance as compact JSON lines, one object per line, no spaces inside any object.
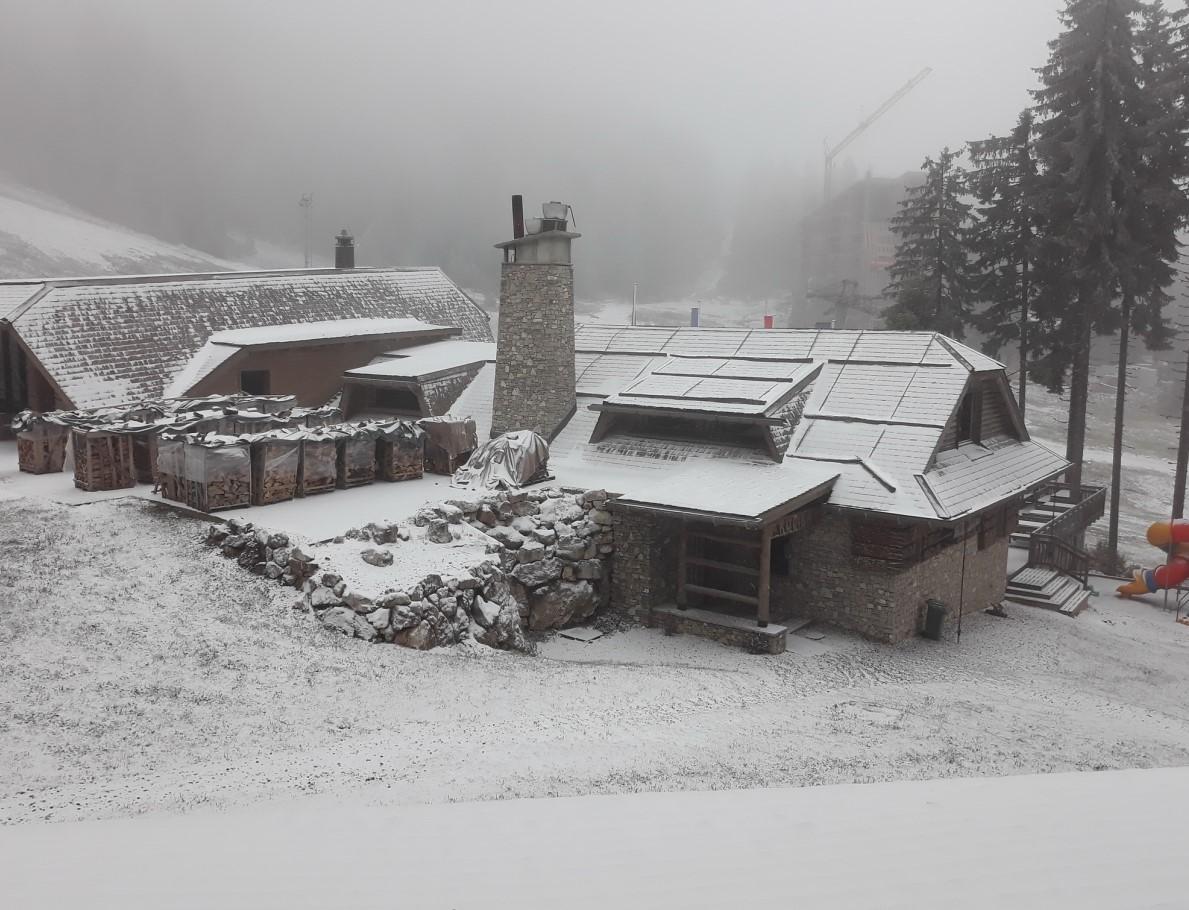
{"x":44,"y":237}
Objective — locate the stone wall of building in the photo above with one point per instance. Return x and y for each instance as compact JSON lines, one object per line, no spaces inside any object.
{"x":645,"y":571}
{"x":882,"y":600}
{"x":534,"y":374}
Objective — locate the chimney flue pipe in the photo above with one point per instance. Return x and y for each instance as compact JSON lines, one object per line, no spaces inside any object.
{"x":517,"y":217}
{"x":344,"y":250}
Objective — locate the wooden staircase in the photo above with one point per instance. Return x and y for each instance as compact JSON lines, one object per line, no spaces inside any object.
{"x":1038,"y":512}
{"x":1049,"y":589}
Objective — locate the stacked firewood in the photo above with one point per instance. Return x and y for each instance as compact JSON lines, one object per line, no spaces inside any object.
{"x":276,"y":462}
{"x":41,"y":447}
{"x":449,"y":443}
{"x":356,"y":461}
{"x":218,"y":474}
{"x":102,"y":460}
{"x":400,"y":452}
{"x":318,"y":467}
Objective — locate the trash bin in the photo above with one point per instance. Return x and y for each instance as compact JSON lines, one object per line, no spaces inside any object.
{"x":935,"y":613}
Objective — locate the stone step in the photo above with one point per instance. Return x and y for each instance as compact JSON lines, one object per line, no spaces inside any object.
{"x":721,"y":627}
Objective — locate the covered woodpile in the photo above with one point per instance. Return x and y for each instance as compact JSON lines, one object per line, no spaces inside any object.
{"x":400,"y":451}
{"x":102,"y":458}
{"x":218,"y":473}
{"x":276,"y":460}
{"x":355,"y":463}
{"x":449,"y":442}
{"x":41,"y":443}
{"x":318,"y":466}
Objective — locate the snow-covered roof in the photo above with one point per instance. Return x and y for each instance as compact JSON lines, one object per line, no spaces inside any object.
{"x":425,"y":359}
{"x":324,"y":330}
{"x":476,"y":400}
{"x":107,"y":340}
{"x":733,"y":490}
{"x":876,"y":412}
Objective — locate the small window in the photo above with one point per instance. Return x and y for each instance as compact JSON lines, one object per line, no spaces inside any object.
{"x":779,"y":561}
{"x":255,"y":382}
{"x":970,"y":417}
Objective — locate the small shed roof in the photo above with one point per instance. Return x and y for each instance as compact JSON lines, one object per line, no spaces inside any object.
{"x":426,"y":359}
{"x":740,"y":492}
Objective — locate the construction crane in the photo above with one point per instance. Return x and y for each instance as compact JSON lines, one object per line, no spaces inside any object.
{"x":832,"y":153}
{"x":844,"y":297}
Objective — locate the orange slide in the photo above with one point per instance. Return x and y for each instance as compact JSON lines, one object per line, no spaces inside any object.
{"x":1173,"y":537}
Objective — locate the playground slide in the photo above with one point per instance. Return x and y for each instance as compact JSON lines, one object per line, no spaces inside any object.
{"x":1172,"y":537}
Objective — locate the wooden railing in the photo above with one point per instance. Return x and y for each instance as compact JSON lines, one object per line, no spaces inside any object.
{"x":1056,"y":543}
{"x":1057,"y":554}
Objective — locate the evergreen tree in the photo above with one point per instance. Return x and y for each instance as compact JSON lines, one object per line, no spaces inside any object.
{"x":1089,"y":144}
{"x":1005,"y":239}
{"x":930,"y":272}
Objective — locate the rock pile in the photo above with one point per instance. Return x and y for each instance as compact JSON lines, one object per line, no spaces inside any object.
{"x":550,"y":567}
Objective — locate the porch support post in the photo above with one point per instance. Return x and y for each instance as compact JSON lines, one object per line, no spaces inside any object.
{"x":682,"y":545}
{"x":765,"y":573}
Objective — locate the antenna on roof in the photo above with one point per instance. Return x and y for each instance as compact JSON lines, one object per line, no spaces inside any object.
{"x":306,"y":202}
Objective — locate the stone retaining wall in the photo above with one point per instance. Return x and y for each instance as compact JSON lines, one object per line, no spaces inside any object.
{"x":548,"y":566}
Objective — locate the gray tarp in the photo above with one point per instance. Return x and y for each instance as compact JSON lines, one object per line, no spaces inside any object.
{"x":505,"y":463}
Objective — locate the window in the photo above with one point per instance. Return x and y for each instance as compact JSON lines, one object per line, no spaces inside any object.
{"x":255,"y":382}
{"x":778,"y":549}
{"x":970,"y":416}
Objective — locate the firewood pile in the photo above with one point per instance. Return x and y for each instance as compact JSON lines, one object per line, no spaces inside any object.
{"x":218,"y":474}
{"x":449,"y":442}
{"x":318,"y":467}
{"x":400,"y":451}
{"x":102,"y":459}
{"x":356,"y":455}
{"x":41,"y":443}
{"x":276,"y":462}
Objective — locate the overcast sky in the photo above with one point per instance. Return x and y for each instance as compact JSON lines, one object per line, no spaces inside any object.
{"x":413,"y":123}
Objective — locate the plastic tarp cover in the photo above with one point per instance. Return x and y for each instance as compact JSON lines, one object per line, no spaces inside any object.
{"x":504,"y":463}
{"x":170,"y":457}
{"x":200,"y":461}
{"x":452,"y":434}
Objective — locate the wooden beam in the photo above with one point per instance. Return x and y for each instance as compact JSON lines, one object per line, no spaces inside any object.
{"x":725,"y":595}
{"x":763,"y":614}
{"x":682,"y":559}
{"x":723,"y":538}
{"x":725,"y":566}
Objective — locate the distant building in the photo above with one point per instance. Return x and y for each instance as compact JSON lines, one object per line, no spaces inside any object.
{"x":847,"y":247}
{"x":92,"y":342}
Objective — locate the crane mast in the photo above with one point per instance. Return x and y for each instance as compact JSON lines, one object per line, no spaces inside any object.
{"x":832,"y":153}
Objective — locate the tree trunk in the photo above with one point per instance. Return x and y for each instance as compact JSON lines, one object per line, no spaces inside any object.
{"x":1112,"y":534}
{"x":1026,"y":294}
{"x":1178,"y":490}
{"x":1079,"y":390}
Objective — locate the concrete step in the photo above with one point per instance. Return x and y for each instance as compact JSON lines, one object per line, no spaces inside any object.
{"x":1047,"y":589}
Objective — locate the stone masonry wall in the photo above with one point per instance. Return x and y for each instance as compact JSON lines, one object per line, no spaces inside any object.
{"x":645,"y":573}
{"x":534,"y":373}
{"x":875,"y":598}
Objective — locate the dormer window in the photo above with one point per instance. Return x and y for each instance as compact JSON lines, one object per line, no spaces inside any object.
{"x":970,"y":416}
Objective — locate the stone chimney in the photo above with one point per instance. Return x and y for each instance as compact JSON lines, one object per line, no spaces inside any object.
{"x":534,"y":367}
{"x":344,"y":250}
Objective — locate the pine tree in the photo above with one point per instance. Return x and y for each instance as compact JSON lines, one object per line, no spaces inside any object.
{"x":1005,"y":240}
{"x":1088,"y":143}
{"x":930,"y":272}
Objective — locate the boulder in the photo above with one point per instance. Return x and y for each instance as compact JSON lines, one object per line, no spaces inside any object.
{"x":524,"y":525}
{"x":535,"y":574}
{"x":524,"y":508}
{"x":358,"y":602}
{"x":379,"y":618}
{"x":424,"y":517}
{"x":321,"y":598}
{"x":555,"y":510}
{"x":509,"y":537}
{"x":594,"y":496}
{"x":330,"y":579}
{"x":439,"y":531}
{"x":376,"y":557}
{"x":452,"y":513}
{"x":393,"y":599}
{"x":532,"y":551}
{"x":349,"y":623}
{"x":485,"y":612}
{"x":590,"y":569}
{"x":561,"y":604}
{"x":282,"y":555}
{"x":420,"y":636}
{"x":273,"y":571}
{"x":544,"y":535}
{"x":400,"y":618}
{"x":276,"y":541}
{"x":601,"y":517}
{"x":487,"y":516}
{"x":384,"y":532}
{"x":572,"y":549}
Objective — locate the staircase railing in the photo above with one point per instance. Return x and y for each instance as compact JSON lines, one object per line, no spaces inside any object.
{"x":1055,"y":553}
{"x":1056,"y":543}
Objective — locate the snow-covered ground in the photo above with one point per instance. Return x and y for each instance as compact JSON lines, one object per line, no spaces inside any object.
{"x":143,"y":672}
{"x":1086,"y":841}
{"x":43,"y":237}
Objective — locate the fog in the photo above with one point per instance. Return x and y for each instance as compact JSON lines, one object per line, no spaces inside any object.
{"x":687,"y":136}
